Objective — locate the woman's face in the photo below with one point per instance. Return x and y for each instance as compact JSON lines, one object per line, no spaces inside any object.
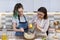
{"x":20,"y":11}
{"x":40,"y":15}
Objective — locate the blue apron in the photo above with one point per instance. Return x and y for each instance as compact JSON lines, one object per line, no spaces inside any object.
{"x":22,"y":25}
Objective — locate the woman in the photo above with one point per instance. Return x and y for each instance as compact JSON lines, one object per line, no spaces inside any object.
{"x":20,"y":24}
{"x":41,"y":21}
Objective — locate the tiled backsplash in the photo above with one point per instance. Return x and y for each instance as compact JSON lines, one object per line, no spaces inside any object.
{"x":6,"y":19}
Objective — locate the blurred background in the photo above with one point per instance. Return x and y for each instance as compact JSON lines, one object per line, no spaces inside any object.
{"x":30,"y":5}
{"x":30,"y":8}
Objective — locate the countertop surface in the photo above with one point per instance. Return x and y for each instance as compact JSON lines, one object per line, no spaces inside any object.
{"x":26,"y":39}
{"x":11,"y":36}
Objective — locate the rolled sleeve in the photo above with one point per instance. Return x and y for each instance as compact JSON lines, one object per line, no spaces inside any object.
{"x":14,"y":20}
{"x":46,"y":25}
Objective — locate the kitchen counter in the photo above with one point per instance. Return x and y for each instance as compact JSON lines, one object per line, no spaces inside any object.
{"x":11,"y":35}
{"x":14,"y":38}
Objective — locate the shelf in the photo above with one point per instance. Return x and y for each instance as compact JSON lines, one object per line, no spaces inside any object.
{"x":7,"y":29}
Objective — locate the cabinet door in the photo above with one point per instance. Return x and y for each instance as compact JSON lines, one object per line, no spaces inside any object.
{"x":27,"y":4}
{"x":55,"y":5}
{"x":41,"y":3}
{"x":51,"y":5}
{"x":7,"y":5}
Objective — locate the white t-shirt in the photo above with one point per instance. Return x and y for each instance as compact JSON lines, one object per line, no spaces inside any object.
{"x":22,"y":19}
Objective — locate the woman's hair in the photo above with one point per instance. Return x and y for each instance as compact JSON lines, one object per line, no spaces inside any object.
{"x":44,"y":10}
{"x":17,"y":6}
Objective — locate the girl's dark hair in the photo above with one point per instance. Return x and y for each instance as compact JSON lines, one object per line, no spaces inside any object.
{"x":15,"y":11}
{"x":44,"y":10}
{"x":17,"y":6}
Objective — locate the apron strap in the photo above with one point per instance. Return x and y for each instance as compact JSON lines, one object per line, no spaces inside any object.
{"x":19,"y":18}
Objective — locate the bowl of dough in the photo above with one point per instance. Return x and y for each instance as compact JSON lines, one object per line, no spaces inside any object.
{"x":29,"y":35}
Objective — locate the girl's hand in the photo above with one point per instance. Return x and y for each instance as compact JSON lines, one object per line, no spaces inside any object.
{"x":21,"y":29}
{"x":35,"y":24}
{"x":38,"y":27}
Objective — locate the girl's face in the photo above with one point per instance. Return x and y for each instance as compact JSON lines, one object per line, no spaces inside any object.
{"x":20,"y":11}
{"x":40,"y":15}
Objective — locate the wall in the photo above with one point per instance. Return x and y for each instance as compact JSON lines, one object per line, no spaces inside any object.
{"x":30,"y":5}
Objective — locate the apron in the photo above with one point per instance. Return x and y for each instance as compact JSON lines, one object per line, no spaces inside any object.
{"x":22,"y":25}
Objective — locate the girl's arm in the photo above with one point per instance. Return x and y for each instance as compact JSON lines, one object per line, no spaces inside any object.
{"x":46,"y":25}
{"x":19,"y":30}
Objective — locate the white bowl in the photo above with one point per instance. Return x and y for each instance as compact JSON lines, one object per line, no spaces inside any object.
{"x":29,"y":36}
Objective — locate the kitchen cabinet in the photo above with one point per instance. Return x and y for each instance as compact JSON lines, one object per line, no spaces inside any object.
{"x":51,"y":5}
{"x":30,"y":5}
{"x":8,"y":5}
{"x":41,"y":3}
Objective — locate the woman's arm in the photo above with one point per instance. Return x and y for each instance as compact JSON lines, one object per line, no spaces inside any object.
{"x":15,"y":25}
{"x":46,"y":25}
{"x":19,"y":30}
{"x":38,"y":27}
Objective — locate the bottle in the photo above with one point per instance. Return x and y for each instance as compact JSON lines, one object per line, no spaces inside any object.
{"x":4,"y":34}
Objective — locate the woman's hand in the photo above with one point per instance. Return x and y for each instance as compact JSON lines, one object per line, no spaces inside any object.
{"x":38,"y":27}
{"x":21,"y":30}
{"x":35,"y":24}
